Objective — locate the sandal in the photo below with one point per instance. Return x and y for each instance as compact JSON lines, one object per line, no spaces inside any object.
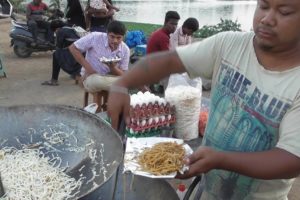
{"x":50,"y":83}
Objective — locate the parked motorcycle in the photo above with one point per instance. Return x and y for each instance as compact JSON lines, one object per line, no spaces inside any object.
{"x":22,"y":40}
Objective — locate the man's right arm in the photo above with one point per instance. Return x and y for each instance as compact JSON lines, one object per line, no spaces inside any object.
{"x":151,"y":69}
{"x":81,"y":60}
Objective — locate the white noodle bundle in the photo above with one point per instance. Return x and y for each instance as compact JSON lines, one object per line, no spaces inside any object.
{"x":27,"y":175}
{"x":187,"y":101}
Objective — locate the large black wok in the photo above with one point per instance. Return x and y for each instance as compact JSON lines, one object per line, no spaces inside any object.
{"x":88,"y":147}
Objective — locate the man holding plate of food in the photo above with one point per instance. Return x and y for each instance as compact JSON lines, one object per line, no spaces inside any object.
{"x":106,"y":56}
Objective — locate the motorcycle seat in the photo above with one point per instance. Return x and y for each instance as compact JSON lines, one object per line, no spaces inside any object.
{"x":25,"y":26}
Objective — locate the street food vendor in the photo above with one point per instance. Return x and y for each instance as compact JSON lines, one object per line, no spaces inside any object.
{"x":251,"y":146}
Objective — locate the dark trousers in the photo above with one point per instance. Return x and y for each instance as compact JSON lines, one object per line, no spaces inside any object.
{"x":63,"y":59}
{"x":100,"y":28}
{"x":34,"y":25}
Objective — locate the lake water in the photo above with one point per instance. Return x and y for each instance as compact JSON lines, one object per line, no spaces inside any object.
{"x":207,"y":12}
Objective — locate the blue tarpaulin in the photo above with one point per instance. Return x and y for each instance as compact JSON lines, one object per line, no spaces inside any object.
{"x":134,"y":38}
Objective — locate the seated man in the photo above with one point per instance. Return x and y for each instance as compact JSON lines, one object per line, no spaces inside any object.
{"x":96,"y":75}
{"x":35,"y":19}
{"x":183,"y":35}
{"x":160,"y":41}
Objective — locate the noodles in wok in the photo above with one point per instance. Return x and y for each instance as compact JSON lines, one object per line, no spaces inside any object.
{"x":28,"y":174}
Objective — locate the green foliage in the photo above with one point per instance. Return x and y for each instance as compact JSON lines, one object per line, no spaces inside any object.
{"x":204,"y":32}
{"x":224,"y":25}
{"x":16,"y":2}
{"x":18,"y":6}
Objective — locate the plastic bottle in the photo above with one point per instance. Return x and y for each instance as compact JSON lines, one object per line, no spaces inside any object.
{"x":181,"y":190}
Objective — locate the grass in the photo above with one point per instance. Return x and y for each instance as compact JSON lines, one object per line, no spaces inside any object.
{"x":146,"y":28}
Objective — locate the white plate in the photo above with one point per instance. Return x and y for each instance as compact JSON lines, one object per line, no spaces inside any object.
{"x":135,"y":146}
{"x":109,"y":60}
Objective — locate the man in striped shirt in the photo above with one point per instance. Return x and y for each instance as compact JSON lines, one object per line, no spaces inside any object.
{"x":97,"y":75}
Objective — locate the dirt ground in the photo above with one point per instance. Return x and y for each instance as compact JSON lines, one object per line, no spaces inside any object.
{"x":24,"y":78}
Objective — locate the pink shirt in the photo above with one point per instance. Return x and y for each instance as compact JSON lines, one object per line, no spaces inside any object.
{"x":95,"y":45}
{"x":178,"y":39}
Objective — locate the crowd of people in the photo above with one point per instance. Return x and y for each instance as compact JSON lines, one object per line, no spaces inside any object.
{"x":250,"y":148}
{"x":81,"y":58}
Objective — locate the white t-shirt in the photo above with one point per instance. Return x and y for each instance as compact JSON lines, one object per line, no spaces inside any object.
{"x":252,"y":109}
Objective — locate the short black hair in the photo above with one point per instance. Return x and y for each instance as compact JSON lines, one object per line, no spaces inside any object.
{"x":191,"y":23}
{"x":171,"y":15}
{"x":116,"y":27}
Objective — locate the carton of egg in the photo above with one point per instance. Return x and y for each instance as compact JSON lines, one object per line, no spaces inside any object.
{"x":149,"y":112}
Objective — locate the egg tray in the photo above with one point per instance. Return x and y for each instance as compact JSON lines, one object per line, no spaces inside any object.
{"x":159,"y":132}
{"x":159,"y":124}
{"x":146,"y":111}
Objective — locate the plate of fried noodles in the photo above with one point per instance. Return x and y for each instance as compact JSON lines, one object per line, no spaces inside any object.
{"x":156,"y":157}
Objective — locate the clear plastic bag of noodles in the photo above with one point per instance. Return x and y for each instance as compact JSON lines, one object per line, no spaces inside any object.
{"x":185,"y":94}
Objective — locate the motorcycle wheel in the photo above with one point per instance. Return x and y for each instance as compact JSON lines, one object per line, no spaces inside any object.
{"x":22,"y":51}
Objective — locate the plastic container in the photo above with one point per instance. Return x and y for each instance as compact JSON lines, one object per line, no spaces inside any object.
{"x":140,"y":50}
{"x":181,"y":190}
{"x":185,"y":94}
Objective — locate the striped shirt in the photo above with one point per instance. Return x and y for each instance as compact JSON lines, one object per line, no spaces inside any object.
{"x":95,"y":45}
